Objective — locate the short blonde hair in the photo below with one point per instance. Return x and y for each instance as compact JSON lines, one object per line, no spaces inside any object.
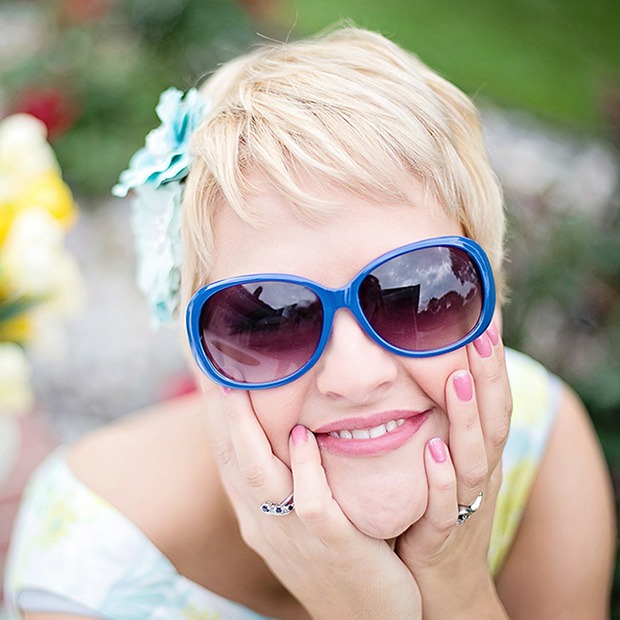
{"x":349,"y":107}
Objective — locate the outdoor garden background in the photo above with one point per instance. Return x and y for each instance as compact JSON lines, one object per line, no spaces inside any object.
{"x":546,"y":75}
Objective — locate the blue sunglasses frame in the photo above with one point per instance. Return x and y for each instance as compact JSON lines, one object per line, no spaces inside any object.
{"x":334,"y":299}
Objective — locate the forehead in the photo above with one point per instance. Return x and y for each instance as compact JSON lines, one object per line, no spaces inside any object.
{"x":329,"y":246}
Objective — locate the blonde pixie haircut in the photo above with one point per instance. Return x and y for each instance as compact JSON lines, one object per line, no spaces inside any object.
{"x":351,"y":109}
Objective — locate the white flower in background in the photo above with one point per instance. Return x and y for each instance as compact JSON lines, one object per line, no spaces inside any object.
{"x":15,"y":371}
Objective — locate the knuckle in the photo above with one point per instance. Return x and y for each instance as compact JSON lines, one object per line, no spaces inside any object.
{"x":497,"y":438}
{"x":446,"y":524}
{"x":253,"y":476}
{"x":444,"y":485}
{"x":311,"y":512}
{"x":495,"y":376}
{"x":223,"y":453}
{"x":474,"y":478}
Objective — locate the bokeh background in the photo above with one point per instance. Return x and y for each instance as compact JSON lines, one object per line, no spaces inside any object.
{"x":545,"y":74}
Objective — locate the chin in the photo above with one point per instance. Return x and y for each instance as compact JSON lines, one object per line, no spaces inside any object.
{"x":381,"y":525}
{"x":385,"y":509}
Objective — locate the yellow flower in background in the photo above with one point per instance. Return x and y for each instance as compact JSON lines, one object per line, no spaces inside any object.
{"x":40,"y":282}
{"x":17,"y":329}
{"x":29,"y":173}
{"x":51,"y":193}
{"x":35,"y":265}
{"x":15,"y":393}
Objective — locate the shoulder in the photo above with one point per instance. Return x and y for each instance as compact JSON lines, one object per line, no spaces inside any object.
{"x":154,"y":467}
{"x":121,"y":510}
{"x":562,"y":554}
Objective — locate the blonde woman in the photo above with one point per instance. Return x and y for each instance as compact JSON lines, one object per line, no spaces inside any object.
{"x":351,"y":453}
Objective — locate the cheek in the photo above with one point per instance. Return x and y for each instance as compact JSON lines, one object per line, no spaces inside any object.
{"x":277,"y":410}
{"x":431,"y":374}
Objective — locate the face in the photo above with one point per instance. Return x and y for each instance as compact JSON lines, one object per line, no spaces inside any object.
{"x":379,"y":482}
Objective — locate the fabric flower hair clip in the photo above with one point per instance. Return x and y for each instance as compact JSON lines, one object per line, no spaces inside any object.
{"x":157,"y":174}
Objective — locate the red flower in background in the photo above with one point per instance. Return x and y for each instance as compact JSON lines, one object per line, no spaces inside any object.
{"x":84,"y":11}
{"x":52,"y":105}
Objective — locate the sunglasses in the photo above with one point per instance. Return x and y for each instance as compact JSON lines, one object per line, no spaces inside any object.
{"x":265,"y":330}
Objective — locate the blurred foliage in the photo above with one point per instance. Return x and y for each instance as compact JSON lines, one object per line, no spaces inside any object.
{"x":96,"y":76}
{"x":564,"y":272}
{"x":557,"y":58}
{"x":565,"y":306}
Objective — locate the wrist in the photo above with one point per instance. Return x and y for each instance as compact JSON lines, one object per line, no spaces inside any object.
{"x":472,"y":595}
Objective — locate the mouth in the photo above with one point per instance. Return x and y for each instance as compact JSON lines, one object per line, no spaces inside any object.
{"x":368,"y":433}
{"x":375,"y":435}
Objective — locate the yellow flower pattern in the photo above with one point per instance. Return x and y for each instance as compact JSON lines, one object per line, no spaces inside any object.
{"x":534,"y":393}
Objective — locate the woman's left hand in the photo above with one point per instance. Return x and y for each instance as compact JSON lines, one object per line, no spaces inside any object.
{"x":449,"y":562}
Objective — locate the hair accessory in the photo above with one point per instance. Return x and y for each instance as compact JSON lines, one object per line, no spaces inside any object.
{"x":467,"y":511}
{"x":283,"y":508}
{"x":157,"y":173}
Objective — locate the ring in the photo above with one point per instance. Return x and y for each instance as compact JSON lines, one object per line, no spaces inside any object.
{"x":467,"y":511}
{"x":283,"y":508}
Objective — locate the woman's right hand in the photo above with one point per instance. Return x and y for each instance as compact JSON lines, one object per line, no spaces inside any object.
{"x":333,"y":569}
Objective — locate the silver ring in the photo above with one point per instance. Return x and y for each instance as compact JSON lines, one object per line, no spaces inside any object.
{"x":280,"y":509}
{"x":467,"y":511}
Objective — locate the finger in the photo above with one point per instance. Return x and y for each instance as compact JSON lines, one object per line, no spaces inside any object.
{"x":268,"y":478}
{"x":467,"y":446}
{"x":441,"y":512}
{"x":314,"y":503}
{"x":488,"y":366}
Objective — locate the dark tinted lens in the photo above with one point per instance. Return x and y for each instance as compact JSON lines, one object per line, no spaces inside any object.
{"x":262,"y":331}
{"x":423,"y":300}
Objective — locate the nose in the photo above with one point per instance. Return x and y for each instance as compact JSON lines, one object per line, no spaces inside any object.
{"x":353,"y":366}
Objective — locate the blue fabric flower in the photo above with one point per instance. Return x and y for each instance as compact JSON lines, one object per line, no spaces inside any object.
{"x":156,"y":173}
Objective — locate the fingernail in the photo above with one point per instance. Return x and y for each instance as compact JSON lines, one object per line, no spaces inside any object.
{"x":438,"y":449}
{"x":225,"y":391}
{"x":493,"y":333}
{"x":463,"y":386}
{"x":483,"y":346}
{"x":299,"y":435}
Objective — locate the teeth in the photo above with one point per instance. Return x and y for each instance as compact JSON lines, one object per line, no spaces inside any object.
{"x":369,"y":433}
{"x":378,"y":430}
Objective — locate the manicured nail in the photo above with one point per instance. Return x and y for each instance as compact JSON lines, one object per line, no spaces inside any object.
{"x":225,"y":391}
{"x":463,"y":386}
{"x":299,"y":435}
{"x":438,"y":449}
{"x":483,"y":346}
{"x":493,"y":333}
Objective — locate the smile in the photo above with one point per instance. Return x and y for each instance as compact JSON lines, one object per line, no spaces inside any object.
{"x":369,"y":433}
{"x":371,"y":437}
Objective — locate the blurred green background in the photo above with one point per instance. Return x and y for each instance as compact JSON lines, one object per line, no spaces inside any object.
{"x":549,"y":70}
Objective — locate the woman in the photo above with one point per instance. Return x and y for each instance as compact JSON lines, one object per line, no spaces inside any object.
{"x":350,"y":455}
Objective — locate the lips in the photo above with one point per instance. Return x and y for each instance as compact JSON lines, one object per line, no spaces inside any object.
{"x":370,"y":435}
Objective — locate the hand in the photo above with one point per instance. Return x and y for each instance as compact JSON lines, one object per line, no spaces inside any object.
{"x":440,"y":554}
{"x":333,"y":569}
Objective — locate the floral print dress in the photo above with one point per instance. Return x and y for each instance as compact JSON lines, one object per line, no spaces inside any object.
{"x":73,"y":552}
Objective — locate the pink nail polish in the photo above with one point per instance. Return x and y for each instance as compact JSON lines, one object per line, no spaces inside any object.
{"x":483,"y":346}
{"x":463,"y":386}
{"x":299,"y":435}
{"x":438,"y":449}
{"x":225,"y":391}
{"x":493,"y":333}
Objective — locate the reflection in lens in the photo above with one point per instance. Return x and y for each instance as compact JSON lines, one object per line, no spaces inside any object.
{"x":423,"y":300}
{"x":262,"y":331}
